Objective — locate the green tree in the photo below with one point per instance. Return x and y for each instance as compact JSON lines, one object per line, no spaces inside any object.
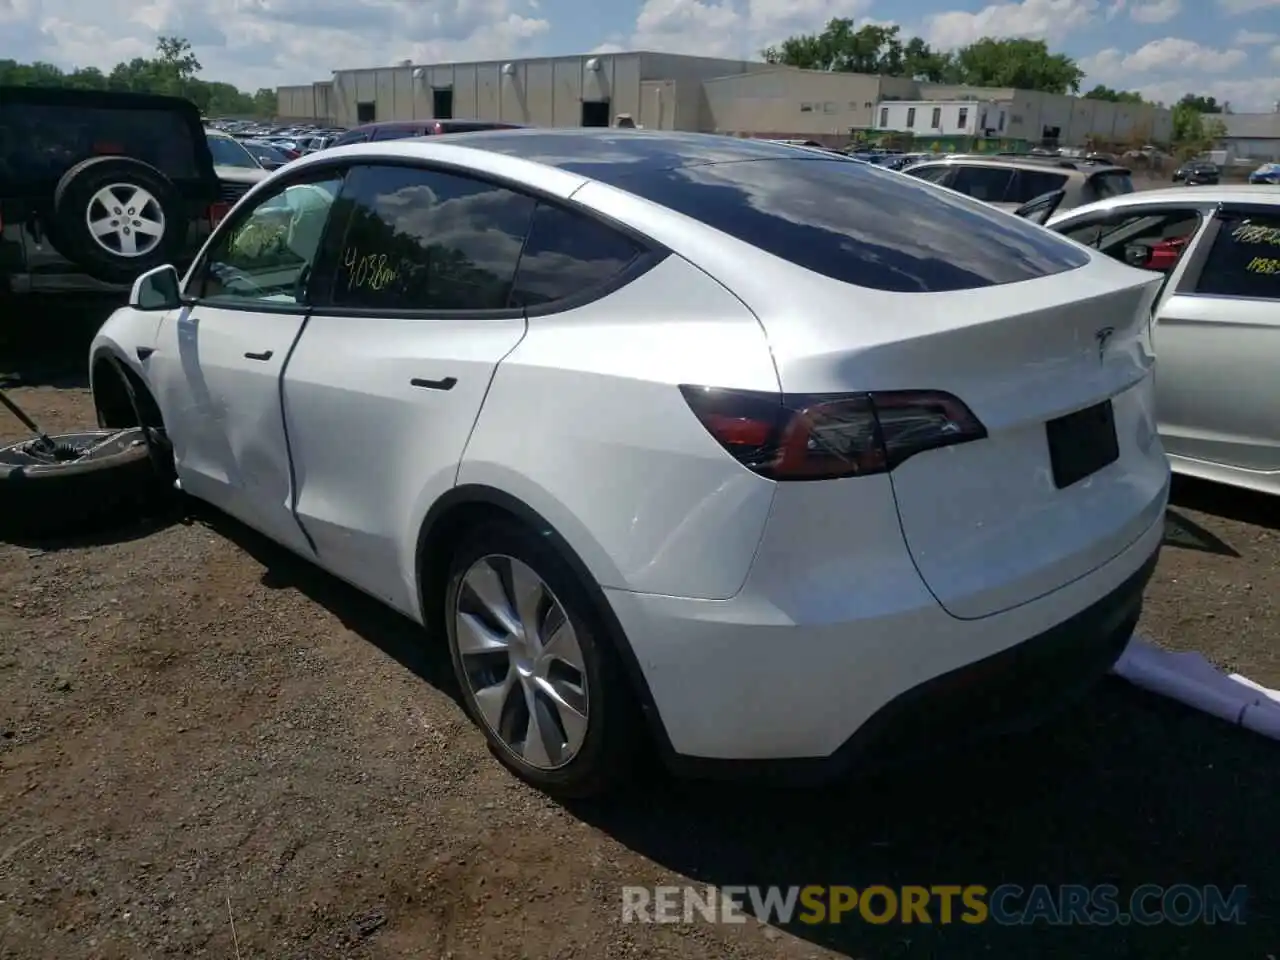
{"x":1201,"y":104}
{"x":1101,"y":92}
{"x":174,"y":70}
{"x":872,"y":49}
{"x":1017,"y":62}
{"x":1195,"y":132}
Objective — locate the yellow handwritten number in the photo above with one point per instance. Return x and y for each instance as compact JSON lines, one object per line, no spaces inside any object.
{"x":370,"y":270}
{"x":1254,"y":233}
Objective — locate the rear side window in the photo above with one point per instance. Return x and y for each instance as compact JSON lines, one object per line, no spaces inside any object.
{"x":1245,"y":258}
{"x":40,"y":142}
{"x":567,"y":255}
{"x":860,"y":224}
{"x":934,"y":174}
{"x":988,"y":184}
{"x":420,"y":239}
{"x":1029,"y":184}
{"x":1113,"y":183}
{"x":396,"y":133}
{"x":229,"y":152}
{"x":354,"y":136}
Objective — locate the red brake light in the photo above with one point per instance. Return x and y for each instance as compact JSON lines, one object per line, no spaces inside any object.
{"x":217,"y":211}
{"x":437,"y":128}
{"x":824,"y":436}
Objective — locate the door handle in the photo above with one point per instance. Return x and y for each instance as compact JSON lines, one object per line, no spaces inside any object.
{"x":144,"y":353}
{"x":448,"y":383}
{"x":264,"y":355}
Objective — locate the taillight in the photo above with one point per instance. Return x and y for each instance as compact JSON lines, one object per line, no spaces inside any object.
{"x":217,"y":211}
{"x":824,"y":436}
{"x":437,"y":128}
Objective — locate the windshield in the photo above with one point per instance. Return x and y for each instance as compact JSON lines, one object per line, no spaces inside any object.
{"x":230,"y":153}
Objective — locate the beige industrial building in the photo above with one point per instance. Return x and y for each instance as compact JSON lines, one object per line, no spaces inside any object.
{"x":674,"y":92}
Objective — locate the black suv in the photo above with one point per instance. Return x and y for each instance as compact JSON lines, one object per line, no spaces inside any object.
{"x":98,"y":187}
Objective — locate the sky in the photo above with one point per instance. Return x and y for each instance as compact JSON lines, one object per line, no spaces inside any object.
{"x":1229,"y":49}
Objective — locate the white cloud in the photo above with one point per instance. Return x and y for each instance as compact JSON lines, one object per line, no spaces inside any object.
{"x":726,"y":28}
{"x":1275,"y":55}
{"x":256,"y":43}
{"x":1116,"y":8}
{"x":1252,"y":38}
{"x":1164,"y":70}
{"x":1155,"y":11}
{"x":1029,"y":18}
{"x":1172,"y":53}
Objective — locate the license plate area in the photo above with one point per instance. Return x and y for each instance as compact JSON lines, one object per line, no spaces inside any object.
{"x":1082,"y":443}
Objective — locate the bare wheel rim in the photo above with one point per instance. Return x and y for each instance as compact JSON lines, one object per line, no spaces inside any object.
{"x":125,"y":220}
{"x":522,"y":661}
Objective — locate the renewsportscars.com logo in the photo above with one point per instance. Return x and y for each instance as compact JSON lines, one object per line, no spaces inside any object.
{"x":1006,"y":905}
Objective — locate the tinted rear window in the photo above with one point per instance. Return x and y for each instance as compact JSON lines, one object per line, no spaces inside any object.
{"x":860,"y":224}
{"x":1245,"y":259}
{"x":1113,"y":183}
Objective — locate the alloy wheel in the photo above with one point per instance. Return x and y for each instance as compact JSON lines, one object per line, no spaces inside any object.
{"x":522,"y":661}
{"x":125,"y":220}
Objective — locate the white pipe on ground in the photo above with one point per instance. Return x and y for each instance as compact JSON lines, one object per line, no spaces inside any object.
{"x":1190,"y":679}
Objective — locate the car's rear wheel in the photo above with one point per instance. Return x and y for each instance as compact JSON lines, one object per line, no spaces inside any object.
{"x":538,"y":670}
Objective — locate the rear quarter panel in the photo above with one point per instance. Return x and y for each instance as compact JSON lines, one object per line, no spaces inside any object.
{"x":585,"y":423}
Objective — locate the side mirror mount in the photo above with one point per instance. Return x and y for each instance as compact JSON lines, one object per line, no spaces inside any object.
{"x":157,"y":289}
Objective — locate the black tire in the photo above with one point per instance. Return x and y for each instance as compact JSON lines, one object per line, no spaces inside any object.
{"x":73,"y":201}
{"x":615,"y":742}
{"x":45,"y":500}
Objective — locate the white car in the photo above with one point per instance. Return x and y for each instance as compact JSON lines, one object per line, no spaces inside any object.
{"x":1217,"y":248}
{"x":767,"y":459}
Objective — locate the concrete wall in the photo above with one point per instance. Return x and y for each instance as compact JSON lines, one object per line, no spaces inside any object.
{"x":1079,"y":120}
{"x":298,"y":101}
{"x":546,"y":92}
{"x":916,"y":116}
{"x":692,"y":111}
{"x":1255,"y":149}
{"x":792,"y":102}
{"x":658,"y":105}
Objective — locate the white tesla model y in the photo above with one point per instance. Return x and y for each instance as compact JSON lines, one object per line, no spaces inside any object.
{"x":770,"y":458}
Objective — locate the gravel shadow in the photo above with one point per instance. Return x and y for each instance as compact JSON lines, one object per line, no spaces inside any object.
{"x":1232,"y":503}
{"x":394,"y":634}
{"x":1128,"y":789}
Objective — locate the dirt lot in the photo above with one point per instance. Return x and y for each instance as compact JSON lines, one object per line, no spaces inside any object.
{"x":208,"y":748}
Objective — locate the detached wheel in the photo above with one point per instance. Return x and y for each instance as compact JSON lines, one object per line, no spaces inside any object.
{"x":113,"y":479}
{"x":538,"y":672}
{"x":118,"y":217}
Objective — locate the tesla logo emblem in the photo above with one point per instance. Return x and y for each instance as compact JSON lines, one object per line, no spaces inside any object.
{"x":1103,"y":337}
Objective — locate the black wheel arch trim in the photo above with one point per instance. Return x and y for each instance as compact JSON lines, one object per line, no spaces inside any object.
{"x":475,"y":494}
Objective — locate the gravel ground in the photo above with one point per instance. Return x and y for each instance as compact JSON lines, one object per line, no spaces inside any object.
{"x":208,"y":748}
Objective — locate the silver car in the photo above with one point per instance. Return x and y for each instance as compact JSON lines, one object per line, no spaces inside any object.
{"x":1217,"y":331}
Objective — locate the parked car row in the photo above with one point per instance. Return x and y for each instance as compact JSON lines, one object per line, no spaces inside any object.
{"x":1007,"y":181}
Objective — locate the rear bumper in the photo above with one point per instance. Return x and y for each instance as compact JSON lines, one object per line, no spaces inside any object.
{"x":742,"y":689}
